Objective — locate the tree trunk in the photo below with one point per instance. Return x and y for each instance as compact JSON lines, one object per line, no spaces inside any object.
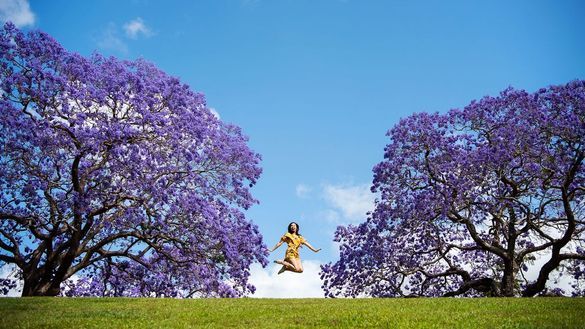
{"x":509,"y":278}
{"x":510,"y":266}
{"x":48,"y":289}
{"x":38,"y":285}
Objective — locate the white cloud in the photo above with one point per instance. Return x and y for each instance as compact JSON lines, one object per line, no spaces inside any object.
{"x":17,"y":12}
{"x":110,"y":40}
{"x":303,"y":191}
{"x":135,"y":28}
{"x":214,"y":112}
{"x":9,"y":272}
{"x":556,"y":279}
{"x":270,"y":284}
{"x":353,"y":201}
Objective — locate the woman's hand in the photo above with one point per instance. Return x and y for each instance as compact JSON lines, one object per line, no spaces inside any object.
{"x":275,"y":247}
{"x":306,"y":243}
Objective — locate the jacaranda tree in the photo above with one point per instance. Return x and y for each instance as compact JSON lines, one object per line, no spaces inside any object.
{"x":484,"y":201}
{"x":117,"y":180}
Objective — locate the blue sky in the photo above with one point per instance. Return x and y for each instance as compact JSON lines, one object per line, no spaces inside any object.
{"x":316,"y":84}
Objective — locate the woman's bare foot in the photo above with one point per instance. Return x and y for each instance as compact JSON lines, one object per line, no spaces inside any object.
{"x":283,"y":266}
{"x":282,"y":270}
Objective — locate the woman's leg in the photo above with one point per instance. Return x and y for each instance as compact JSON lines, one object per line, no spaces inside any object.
{"x":286,"y":265}
{"x":296,"y":262}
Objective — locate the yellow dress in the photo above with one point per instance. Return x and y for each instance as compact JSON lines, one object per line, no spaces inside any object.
{"x":294,"y":242}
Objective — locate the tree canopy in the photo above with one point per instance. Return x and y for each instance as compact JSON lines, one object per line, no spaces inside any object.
{"x":117,"y":180}
{"x":473,"y":202}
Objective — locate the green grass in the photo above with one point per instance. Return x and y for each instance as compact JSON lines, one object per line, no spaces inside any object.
{"x":292,"y":313}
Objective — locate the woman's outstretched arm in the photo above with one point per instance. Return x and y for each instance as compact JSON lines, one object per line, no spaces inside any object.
{"x":276,"y":246}
{"x":306,"y":243}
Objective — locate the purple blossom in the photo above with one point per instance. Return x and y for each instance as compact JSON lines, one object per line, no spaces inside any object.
{"x":468,"y":199}
{"x":121,"y":177}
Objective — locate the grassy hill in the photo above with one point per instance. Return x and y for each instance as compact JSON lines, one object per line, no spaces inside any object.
{"x":292,"y":313}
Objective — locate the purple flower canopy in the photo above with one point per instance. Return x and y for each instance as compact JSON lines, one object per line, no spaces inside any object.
{"x":469,"y":199}
{"x":118,"y":176}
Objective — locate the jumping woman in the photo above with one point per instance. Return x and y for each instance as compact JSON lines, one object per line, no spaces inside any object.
{"x":292,"y":261}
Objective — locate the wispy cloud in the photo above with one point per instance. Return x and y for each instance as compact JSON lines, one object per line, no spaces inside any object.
{"x":110,"y":40}
{"x":303,"y":191}
{"x":136,"y":28}
{"x":17,"y":12}
{"x":352,"y":201}
{"x":113,"y":39}
{"x":270,"y":284}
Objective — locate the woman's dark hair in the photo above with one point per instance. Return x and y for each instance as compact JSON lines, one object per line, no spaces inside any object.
{"x":290,"y":230}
